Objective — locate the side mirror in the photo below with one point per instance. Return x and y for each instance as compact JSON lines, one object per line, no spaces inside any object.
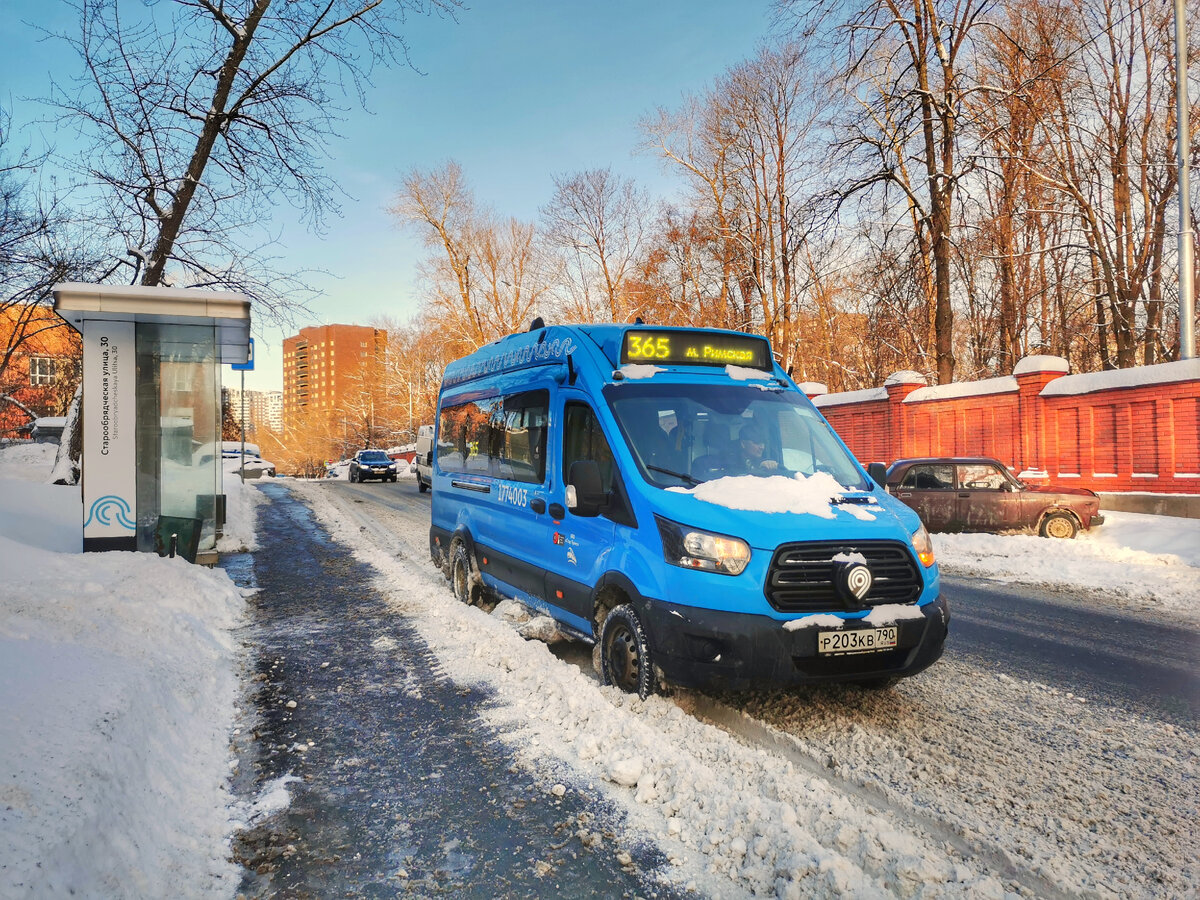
{"x":585,"y":490}
{"x":878,"y":472}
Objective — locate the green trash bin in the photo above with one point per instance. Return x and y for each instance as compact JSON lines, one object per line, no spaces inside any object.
{"x":186,"y":532}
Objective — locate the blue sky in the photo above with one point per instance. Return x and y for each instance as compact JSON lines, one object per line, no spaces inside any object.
{"x":515,"y":91}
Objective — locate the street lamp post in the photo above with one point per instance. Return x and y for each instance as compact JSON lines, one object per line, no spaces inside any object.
{"x":1187,"y":268}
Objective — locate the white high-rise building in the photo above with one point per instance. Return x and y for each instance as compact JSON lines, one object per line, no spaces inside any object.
{"x":262,"y":409}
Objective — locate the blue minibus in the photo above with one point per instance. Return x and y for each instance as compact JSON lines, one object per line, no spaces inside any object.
{"x":672,"y":496}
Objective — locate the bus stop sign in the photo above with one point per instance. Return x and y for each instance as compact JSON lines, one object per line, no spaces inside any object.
{"x":248,"y":365}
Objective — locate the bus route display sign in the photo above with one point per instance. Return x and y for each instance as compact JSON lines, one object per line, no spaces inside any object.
{"x":695,"y":348}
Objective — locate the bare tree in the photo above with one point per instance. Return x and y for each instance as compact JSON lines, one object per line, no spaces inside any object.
{"x":1111,"y":140}
{"x":442,"y":207}
{"x":38,"y":248}
{"x":752,"y":152}
{"x":487,"y":275}
{"x":698,"y":140}
{"x":910,"y":63}
{"x":203,"y":112}
{"x":599,"y":219}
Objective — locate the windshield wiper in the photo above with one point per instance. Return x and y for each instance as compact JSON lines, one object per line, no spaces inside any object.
{"x":679,"y":475}
{"x":856,"y":496}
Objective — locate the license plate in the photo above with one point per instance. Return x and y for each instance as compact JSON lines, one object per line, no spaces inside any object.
{"x":861,"y":640}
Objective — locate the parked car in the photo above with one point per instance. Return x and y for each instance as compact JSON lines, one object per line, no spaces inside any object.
{"x":980,"y":494}
{"x":424,"y":458}
{"x":368,"y":464}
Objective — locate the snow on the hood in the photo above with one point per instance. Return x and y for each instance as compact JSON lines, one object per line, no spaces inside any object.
{"x":635,"y":371}
{"x":890,"y":613}
{"x":812,"y":495}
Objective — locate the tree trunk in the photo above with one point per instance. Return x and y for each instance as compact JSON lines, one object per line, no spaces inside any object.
{"x":70,"y":445}
{"x":214,"y":122}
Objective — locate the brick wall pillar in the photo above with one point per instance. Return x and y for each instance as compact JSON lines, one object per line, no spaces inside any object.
{"x":1038,"y":445}
{"x":899,"y":385}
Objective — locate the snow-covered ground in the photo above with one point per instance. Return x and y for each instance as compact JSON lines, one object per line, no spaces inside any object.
{"x":119,"y":688}
{"x":119,"y":677}
{"x":1152,"y":562}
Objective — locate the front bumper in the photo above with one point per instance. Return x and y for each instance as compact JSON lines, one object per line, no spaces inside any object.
{"x":383,"y":473}
{"x":1097,"y":519}
{"x":708,"y":648}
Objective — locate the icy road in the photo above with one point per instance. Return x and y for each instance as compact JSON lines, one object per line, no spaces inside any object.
{"x":997,"y":772}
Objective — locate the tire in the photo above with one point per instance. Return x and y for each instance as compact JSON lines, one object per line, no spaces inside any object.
{"x":625,"y":653}
{"x":422,"y":487}
{"x":460,"y":575}
{"x":352,"y":477}
{"x":1059,"y":525}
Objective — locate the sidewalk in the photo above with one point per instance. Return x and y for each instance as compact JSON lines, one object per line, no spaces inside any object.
{"x":400,"y":788}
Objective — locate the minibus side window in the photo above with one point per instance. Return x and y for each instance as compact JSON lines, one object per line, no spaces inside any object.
{"x":583,"y":439}
{"x":477,"y":437}
{"x":452,"y":438}
{"x":520,"y":424}
{"x":504,"y":437}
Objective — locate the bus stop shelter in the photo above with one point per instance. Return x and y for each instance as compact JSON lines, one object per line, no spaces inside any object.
{"x":151,"y":411}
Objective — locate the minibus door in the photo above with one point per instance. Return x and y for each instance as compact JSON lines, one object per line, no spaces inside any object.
{"x":576,"y":543}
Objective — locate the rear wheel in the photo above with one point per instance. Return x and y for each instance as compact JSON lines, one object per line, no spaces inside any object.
{"x":461,"y":581}
{"x":1059,"y":525}
{"x":625,"y":652}
{"x":422,"y":486}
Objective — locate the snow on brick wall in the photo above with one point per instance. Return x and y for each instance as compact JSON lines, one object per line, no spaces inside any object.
{"x":1131,"y":430}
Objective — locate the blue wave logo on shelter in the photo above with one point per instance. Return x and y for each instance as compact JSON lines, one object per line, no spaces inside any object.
{"x":106,"y":508}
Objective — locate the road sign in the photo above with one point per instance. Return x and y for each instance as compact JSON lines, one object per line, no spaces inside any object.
{"x":248,"y":365}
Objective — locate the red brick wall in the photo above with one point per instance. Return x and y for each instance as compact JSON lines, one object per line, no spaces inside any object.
{"x":1134,"y":430}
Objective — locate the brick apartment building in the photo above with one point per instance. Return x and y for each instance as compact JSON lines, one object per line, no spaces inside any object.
{"x":325,"y":368}
{"x":41,"y":356}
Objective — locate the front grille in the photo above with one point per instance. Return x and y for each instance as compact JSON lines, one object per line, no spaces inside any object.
{"x":801,"y":577}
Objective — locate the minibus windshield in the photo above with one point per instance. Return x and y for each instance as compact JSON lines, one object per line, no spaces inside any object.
{"x":686,"y":434}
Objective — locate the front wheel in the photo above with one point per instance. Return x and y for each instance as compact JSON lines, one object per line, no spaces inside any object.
{"x":1059,"y":525}
{"x":352,"y":477}
{"x":625,"y":652}
{"x":422,"y":487}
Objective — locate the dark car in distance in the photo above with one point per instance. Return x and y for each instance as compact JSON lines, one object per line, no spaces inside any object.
{"x":368,"y":464}
{"x":977,"y":493}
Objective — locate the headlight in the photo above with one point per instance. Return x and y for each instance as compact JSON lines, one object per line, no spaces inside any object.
{"x":691,"y":548}
{"x":923,"y":545}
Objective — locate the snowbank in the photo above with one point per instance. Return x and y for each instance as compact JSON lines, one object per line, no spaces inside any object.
{"x":117,"y":691}
{"x":1151,"y":560}
{"x":118,"y":684}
